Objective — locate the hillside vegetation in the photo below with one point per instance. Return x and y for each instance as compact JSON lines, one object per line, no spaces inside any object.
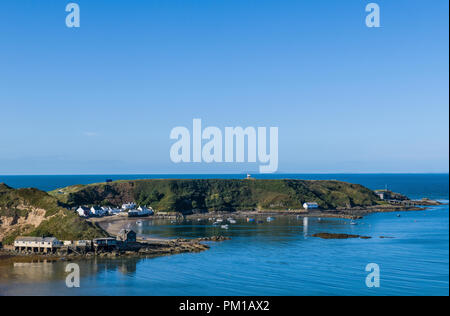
{"x":32,"y":212}
{"x":219,"y":194}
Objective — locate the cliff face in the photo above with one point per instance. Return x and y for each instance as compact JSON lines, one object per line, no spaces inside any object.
{"x":219,"y":194}
{"x":36,"y":213}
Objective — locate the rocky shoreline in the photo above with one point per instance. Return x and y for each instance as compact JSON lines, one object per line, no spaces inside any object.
{"x":345,"y":236}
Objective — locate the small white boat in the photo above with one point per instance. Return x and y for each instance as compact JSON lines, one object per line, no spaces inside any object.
{"x":216,"y":223}
{"x":353,"y":223}
{"x":219,"y":220}
{"x":224,"y":226}
{"x":269,"y":219}
{"x":232,"y":221}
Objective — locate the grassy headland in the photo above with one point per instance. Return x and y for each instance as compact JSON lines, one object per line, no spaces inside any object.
{"x":211,"y":195}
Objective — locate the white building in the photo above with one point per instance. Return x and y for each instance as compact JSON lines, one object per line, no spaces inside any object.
{"x":83,"y":211}
{"x":97,"y":211}
{"x":114,"y":211}
{"x":36,"y":244}
{"x":310,"y":205}
{"x":83,"y":243}
{"x":143,"y":211}
{"x":129,"y":206}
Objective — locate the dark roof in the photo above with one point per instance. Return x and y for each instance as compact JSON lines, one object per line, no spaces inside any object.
{"x":37,"y":239}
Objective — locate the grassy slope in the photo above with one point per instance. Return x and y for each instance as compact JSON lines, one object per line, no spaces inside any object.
{"x":58,"y":222}
{"x":219,"y":194}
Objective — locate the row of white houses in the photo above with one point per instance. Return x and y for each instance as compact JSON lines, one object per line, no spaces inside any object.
{"x":132,"y":211}
{"x":96,"y":211}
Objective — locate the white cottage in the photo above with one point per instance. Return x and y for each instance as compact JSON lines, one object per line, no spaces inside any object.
{"x":114,"y":211}
{"x":97,"y":211}
{"x":83,"y":211}
{"x":129,"y":206}
{"x":143,"y":211}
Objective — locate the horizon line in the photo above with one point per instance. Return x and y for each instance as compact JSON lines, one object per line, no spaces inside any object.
{"x":219,"y":173}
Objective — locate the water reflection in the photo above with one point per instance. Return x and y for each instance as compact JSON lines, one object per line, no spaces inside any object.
{"x":305,"y":226}
{"x":47,"y":271}
{"x":279,"y":228}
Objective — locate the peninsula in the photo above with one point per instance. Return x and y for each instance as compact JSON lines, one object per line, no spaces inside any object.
{"x":196,"y":197}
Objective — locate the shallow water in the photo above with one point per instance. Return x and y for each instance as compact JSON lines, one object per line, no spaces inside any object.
{"x":276,"y":258}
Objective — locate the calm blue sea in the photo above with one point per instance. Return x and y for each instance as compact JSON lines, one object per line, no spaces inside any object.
{"x":270,"y":258}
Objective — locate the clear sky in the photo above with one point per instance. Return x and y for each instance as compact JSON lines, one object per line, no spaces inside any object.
{"x":103,"y":98}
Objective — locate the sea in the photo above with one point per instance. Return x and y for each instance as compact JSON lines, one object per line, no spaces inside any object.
{"x":278,"y":257}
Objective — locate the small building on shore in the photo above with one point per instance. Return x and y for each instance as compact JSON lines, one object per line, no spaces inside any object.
{"x":37,"y":244}
{"x":384,"y":194}
{"x":126,"y":235}
{"x":310,"y":205}
{"x":145,"y":211}
{"x":107,"y":242}
{"x":83,"y":211}
{"x":83,"y":243}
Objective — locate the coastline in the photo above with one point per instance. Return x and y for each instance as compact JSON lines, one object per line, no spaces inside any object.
{"x":350,"y":213}
{"x":148,"y":247}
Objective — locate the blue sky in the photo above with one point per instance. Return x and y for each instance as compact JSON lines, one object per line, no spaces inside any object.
{"x":103,"y":98}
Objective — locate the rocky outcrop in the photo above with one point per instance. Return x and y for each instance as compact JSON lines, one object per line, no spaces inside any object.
{"x":22,"y":224}
{"x":338,"y":236}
